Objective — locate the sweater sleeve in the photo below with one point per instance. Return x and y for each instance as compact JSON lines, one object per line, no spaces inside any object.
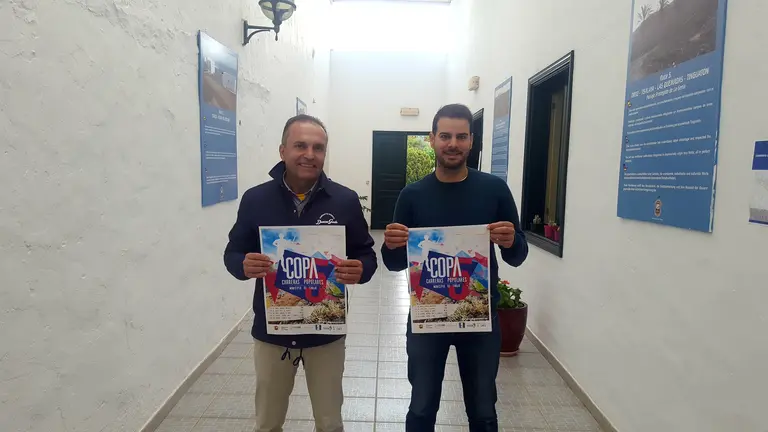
{"x":360,"y":243}
{"x":517,"y":254}
{"x":243,"y":239}
{"x":397,"y":259}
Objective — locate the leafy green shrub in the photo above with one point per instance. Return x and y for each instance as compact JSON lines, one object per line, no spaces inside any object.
{"x":421,"y":159}
{"x":510,"y":297}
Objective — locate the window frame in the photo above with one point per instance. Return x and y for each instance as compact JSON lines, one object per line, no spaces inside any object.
{"x":564,"y":64}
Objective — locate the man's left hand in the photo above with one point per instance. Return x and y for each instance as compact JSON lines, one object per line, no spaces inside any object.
{"x":349,"y":272}
{"x":503,"y":234}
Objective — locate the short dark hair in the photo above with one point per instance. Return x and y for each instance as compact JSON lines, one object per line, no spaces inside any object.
{"x":453,"y":111}
{"x":301,"y":118}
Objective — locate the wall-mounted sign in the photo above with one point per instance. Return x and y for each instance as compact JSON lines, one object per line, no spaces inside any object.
{"x":758,"y":205}
{"x":502,"y":106}
{"x":672,"y":113}
{"x":218,"y":121}
{"x":409,"y":112}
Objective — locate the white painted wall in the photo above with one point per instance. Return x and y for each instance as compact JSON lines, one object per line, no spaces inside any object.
{"x":112,"y":286}
{"x":665,"y":329}
{"x":367,"y":91}
{"x":389,"y":26}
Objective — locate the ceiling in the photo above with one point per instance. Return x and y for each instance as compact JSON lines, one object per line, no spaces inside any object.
{"x":408,"y":1}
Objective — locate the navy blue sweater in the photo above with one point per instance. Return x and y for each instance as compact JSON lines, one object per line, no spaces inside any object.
{"x":479,"y":200}
{"x":271,"y":204}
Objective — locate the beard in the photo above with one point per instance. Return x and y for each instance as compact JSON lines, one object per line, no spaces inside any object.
{"x":457,"y":162}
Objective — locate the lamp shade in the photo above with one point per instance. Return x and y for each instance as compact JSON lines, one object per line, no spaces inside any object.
{"x":277,"y":11}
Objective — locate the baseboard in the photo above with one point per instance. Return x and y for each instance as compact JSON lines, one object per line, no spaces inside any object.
{"x":602,"y":420}
{"x":157,"y":418}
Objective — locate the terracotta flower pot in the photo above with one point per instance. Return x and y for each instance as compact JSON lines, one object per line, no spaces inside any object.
{"x":512,"y":323}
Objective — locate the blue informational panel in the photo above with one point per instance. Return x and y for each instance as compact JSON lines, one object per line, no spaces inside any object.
{"x":218,"y":121}
{"x":502,"y":105}
{"x":758,"y":205}
{"x":672,"y":113}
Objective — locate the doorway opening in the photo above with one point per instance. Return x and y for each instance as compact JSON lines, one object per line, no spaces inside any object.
{"x":475,"y":159}
{"x":420,"y":159}
{"x":399,"y":158}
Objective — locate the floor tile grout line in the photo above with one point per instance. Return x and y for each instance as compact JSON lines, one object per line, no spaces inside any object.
{"x":378,"y":358}
{"x":218,"y":392}
{"x":197,"y":421}
{"x":215,"y":395}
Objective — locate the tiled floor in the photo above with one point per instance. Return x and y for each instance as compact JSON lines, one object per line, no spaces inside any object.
{"x":532,"y":396}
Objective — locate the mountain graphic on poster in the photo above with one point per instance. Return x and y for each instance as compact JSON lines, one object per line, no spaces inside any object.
{"x":479,"y":279}
{"x":463,"y":254}
{"x":334,"y":289}
{"x":480,"y":282}
{"x":480,"y":271}
{"x":483,"y":261}
{"x":478,"y":287}
{"x":319,"y":255}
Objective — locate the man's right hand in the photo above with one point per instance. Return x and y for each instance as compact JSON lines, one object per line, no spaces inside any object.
{"x":396,"y":236}
{"x":256,"y":265}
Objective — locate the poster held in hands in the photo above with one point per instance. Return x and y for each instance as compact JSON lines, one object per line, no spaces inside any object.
{"x":448,"y":276}
{"x":301,"y":294}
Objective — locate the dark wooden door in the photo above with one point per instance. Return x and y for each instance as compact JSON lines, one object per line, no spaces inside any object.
{"x":388,"y":177}
{"x":475,"y":158}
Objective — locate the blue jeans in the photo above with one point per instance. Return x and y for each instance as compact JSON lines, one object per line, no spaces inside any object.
{"x":478,"y":355}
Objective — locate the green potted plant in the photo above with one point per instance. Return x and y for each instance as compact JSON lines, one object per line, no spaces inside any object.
{"x":513,"y":317}
{"x":364,"y":198}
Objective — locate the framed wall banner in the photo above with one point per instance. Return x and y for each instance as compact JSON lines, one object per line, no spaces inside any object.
{"x":758,"y":205}
{"x":301,"y":107}
{"x":672,"y":113}
{"x":502,"y":105}
{"x":218,"y":121}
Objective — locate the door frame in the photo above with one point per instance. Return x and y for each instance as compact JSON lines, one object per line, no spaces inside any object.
{"x":480,"y":114}
{"x":405,"y":134}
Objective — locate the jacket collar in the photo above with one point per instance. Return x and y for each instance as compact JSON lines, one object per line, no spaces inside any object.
{"x":278,"y":171}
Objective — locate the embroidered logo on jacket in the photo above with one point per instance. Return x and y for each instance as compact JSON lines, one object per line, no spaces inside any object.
{"x":326,"y":219}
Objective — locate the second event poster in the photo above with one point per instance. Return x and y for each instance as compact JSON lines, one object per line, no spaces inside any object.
{"x":301,"y":294}
{"x":449,"y":277}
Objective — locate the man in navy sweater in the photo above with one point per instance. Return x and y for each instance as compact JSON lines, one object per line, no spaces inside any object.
{"x":298,"y":194}
{"x":455,"y":195}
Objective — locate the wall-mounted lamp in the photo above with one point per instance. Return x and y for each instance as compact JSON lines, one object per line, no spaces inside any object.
{"x":277,"y":11}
